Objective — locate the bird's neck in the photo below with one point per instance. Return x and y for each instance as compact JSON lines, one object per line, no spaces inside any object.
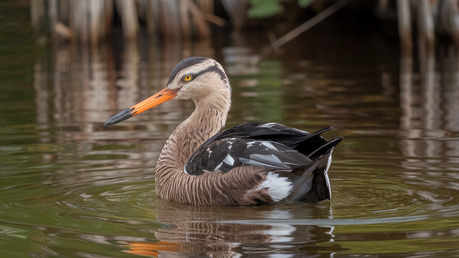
{"x":207,"y":119}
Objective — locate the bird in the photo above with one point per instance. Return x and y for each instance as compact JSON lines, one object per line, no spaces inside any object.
{"x":254,"y":163}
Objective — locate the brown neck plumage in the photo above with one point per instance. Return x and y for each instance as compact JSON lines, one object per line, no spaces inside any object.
{"x":207,"y":119}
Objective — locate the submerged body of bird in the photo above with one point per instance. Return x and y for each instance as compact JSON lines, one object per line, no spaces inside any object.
{"x":249,"y":164}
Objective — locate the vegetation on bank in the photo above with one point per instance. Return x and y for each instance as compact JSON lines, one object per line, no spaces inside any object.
{"x":90,"y":22}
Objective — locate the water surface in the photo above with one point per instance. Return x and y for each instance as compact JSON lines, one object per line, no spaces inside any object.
{"x":69,"y":187}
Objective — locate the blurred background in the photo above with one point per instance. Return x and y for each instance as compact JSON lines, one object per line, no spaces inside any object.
{"x":385,"y":73}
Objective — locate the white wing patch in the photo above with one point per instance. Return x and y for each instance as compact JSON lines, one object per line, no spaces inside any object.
{"x":278,"y":187}
{"x":269,"y":145}
{"x":229,"y":160}
{"x":268,"y":125}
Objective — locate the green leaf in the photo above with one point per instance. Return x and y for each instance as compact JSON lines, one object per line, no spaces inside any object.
{"x":304,"y":3}
{"x":264,"y":8}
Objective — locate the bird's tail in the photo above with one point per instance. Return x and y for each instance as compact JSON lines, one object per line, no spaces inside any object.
{"x":326,"y":148}
{"x":321,"y":188}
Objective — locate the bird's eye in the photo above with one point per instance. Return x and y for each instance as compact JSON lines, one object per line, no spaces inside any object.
{"x":187,"y":78}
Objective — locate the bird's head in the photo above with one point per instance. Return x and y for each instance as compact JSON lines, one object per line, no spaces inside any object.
{"x":194,"y":78}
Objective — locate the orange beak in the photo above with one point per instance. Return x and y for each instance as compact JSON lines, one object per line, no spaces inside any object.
{"x":160,"y":97}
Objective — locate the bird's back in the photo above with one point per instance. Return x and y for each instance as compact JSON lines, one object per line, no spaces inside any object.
{"x":289,"y":154}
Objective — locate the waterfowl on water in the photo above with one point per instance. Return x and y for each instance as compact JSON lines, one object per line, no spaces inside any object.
{"x":249,"y":164}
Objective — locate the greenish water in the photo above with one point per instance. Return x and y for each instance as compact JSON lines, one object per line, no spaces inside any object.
{"x":70,"y":188}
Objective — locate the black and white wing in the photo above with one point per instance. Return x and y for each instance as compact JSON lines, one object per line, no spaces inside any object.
{"x":228,"y":153}
{"x":272,"y":146}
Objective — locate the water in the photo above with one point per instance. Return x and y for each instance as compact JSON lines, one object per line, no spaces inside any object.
{"x":70,"y":188}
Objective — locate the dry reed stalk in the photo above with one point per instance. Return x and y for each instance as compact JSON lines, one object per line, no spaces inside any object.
{"x":89,"y":21}
{"x":163,"y":21}
{"x":172,"y":10}
{"x":454,"y":17}
{"x":81,"y":20}
{"x":141,"y":6}
{"x":93,"y":22}
{"x":426,"y":23}
{"x":52,"y":16}
{"x":108,"y":17}
{"x":37,"y":15}
{"x":64,"y":31}
{"x":63,"y":12}
{"x":448,"y":19}
{"x":186,"y":27}
{"x":308,"y":24}
{"x":152,"y":17}
{"x":215,"y":19}
{"x":199,"y":19}
{"x":129,"y":18}
{"x":206,"y":6}
{"x":234,"y":9}
{"x":404,"y":26}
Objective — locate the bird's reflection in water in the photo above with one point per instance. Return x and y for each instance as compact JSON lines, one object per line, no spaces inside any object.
{"x":209,"y":231}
